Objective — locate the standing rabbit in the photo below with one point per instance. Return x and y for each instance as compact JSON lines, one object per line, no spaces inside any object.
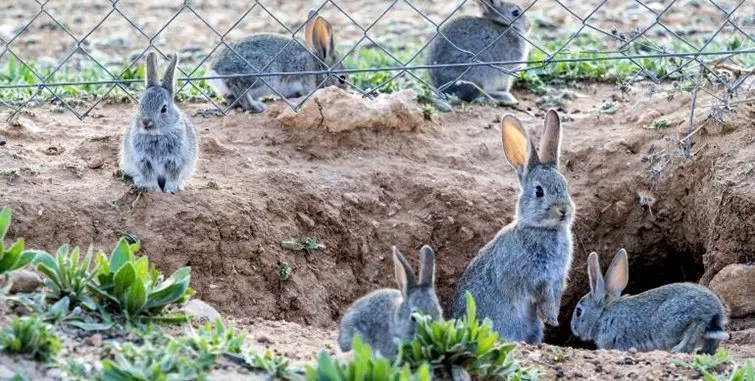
{"x":386,"y":314}
{"x":466,"y":36}
{"x":159,"y":149}
{"x":678,"y":316}
{"x":275,"y":53}
{"x":518,"y":278}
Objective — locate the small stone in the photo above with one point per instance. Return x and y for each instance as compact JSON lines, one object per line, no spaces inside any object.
{"x":200,"y":309}
{"x":94,"y":340}
{"x":24,"y":281}
{"x":95,"y":162}
{"x":466,"y":233}
{"x":262,"y":339}
{"x":351,"y":197}
{"x":632,"y":350}
{"x":306,"y":220}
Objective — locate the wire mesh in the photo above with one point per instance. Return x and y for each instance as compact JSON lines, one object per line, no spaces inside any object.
{"x":703,"y":46}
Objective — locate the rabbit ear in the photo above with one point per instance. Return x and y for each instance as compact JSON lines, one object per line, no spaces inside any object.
{"x":311,"y":16}
{"x":427,"y":266}
{"x":169,"y":79}
{"x":322,"y":37}
{"x":517,"y":147}
{"x":404,"y":272}
{"x":597,"y":286}
{"x":550,"y":142}
{"x":617,"y":275}
{"x":152,"y":78}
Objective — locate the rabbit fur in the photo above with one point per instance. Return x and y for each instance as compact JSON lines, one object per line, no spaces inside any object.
{"x":517,"y":279}
{"x":159,"y":149}
{"x":275,"y":53}
{"x":386,"y":315}
{"x":678,"y":317}
{"x":466,"y":36}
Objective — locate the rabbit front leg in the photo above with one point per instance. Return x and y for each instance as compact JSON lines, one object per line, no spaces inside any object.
{"x":145,"y":174}
{"x":547,"y":300}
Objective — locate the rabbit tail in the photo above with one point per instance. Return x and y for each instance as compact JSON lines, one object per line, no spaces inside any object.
{"x":714,"y":334}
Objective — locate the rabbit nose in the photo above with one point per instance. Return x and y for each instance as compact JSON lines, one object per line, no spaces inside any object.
{"x":148,"y":123}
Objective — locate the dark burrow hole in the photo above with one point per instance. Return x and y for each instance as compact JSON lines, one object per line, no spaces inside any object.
{"x":648,"y":269}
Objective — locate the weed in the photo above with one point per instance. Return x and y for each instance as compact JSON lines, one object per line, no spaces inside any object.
{"x":308,"y":244}
{"x":558,"y":354}
{"x":708,"y":365}
{"x":133,"y":289}
{"x":61,"y":312}
{"x":275,"y":367}
{"x":13,"y":257}
{"x":462,"y":343}
{"x":30,"y":336}
{"x":67,"y":276}
{"x":215,"y":339}
{"x":284,"y":271}
{"x":363,"y":366}
{"x":428,"y":111}
{"x":659,"y":124}
{"x":608,"y":108}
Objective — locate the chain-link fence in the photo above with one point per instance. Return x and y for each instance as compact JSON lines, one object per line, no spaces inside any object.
{"x":81,"y":53}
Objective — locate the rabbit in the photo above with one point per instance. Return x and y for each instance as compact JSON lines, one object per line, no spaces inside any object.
{"x":517,"y":279}
{"x":472,"y":35}
{"x":159,"y":148}
{"x":385,"y":315}
{"x":678,"y":316}
{"x":254,"y":54}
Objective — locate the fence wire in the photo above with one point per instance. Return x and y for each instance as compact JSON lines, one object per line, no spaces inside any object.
{"x":661,"y":41}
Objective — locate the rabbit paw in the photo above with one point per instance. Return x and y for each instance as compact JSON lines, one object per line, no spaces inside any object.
{"x":504,"y":98}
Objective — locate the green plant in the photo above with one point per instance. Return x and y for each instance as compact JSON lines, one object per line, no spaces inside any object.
{"x":462,"y":343}
{"x":711,"y":367}
{"x":308,"y":244}
{"x":13,"y":257}
{"x":67,"y":277}
{"x":659,"y":124}
{"x":275,"y":367}
{"x":215,"y":339}
{"x":131,"y":288}
{"x":284,"y":272}
{"x":363,"y":366}
{"x":30,"y":336}
{"x":61,"y":312}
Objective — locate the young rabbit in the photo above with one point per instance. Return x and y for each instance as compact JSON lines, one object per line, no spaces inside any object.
{"x":472,"y":35}
{"x":384,"y":315}
{"x":678,"y":316}
{"x":159,"y":149}
{"x":254,"y":55}
{"x":518,"y":278}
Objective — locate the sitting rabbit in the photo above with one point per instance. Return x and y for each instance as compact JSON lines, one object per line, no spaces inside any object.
{"x":275,"y":53}
{"x":466,"y":36}
{"x":385,"y":315}
{"x":678,"y":316}
{"x":159,"y":148}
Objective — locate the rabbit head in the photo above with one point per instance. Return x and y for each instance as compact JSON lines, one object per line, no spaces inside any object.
{"x":418,"y":295}
{"x":544,"y":199}
{"x":318,"y":35}
{"x":603,"y":292}
{"x":157,"y":112}
{"x":505,"y":13}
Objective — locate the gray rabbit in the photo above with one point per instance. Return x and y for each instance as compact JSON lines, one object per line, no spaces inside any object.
{"x":384,"y":315}
{"x":678,"y":316}
{"x":255,"y":54}
{"x":472,"y":35}
{"x":518,"y":278}
{"x":159,"y":148}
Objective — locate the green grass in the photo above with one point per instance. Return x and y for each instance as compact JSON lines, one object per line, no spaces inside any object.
{"x":719,"y":367}
{"x":30,"y":336}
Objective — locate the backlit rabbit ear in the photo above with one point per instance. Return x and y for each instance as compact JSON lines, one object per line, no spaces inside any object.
{"x":519,"y":150}
{"x":427,"y":266}
{"x":322,"y":38}
{"x":617,"y":275}
{"x":169,"y":79}
{"x":311,"y":16}
{"x":405,"y":277}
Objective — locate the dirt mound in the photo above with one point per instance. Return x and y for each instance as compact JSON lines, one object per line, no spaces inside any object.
{"x":361,"y":191}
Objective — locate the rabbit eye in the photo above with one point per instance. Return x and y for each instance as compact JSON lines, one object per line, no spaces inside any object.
{"x":579,"y":311}
{"x":516,"y":13}
{"x":165,"y":109}
{"x":539,"y":192}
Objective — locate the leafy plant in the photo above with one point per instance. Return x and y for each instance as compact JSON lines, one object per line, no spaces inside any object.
{"x":30,"y":336}
{"x":284,"y":271}
{"x":659,"y":124}
{"x":13,"y":257}
{"x":215,"y":339}
{"x":462,"y":343}
{"x":308,"y":244}
{"x":61,"y":312}
{"x":131,"y":288}
{"x":67,"y":277}
{"x":710,"y":367}
{"x":363,"y":366}
{"x":275,"y":367}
